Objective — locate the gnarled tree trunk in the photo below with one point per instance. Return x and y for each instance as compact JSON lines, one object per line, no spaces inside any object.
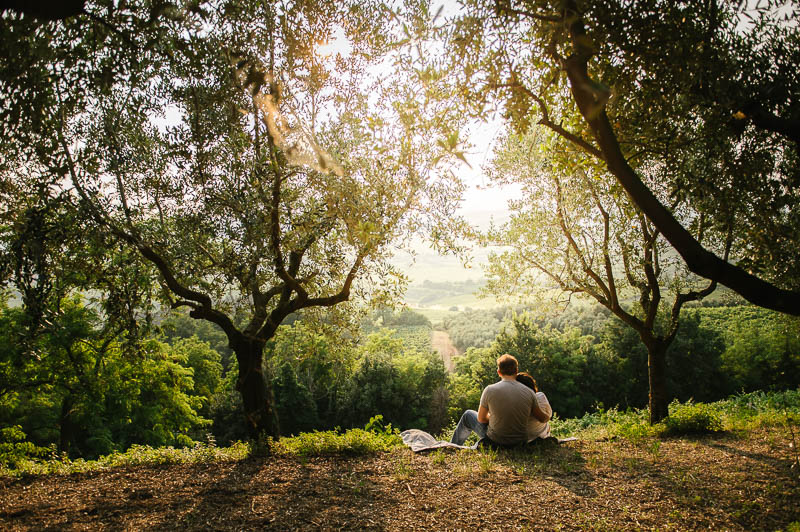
{"x":256,"y":392}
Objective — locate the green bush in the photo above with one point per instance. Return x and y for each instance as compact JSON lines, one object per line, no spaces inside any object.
{"x":15,"y":450}
{"x":354,"y":441}
{"x":693,"y":418}
{"x":635,"y":431}
{"x":136,"y":455}
{"x":374,"y":437}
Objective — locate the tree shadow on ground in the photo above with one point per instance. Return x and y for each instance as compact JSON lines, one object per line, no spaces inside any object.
{"x":766,"y":486}
{"x":279,"y":494}
{"x":562,"y":464}
{"x":765,"y":458}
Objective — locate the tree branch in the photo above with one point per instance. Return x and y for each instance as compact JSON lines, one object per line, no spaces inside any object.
{"x":203,"y":308}
{"x":698,"y":259}
{"x":763,"y":119}
{"x":505,"y":7}
{"x":568,"y":234}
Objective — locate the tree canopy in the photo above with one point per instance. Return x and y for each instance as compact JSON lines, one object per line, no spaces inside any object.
{"x":688,"y":100}
{"x":255,"y":175}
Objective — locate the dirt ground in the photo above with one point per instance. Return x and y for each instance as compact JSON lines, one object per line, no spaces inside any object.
{"x":714,"y":483}
{"x":444,"y":346}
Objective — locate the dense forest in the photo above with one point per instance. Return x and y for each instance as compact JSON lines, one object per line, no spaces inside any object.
{"x":87,"y":396}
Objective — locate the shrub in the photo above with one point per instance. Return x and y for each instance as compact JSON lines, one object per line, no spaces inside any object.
{"x":374,"y":437}
{"x":693,"y":418}
{"x":14,"y":450}
{"x":354,"y":441}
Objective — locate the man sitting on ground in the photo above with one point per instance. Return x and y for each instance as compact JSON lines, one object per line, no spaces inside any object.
{"x":504,"y":410}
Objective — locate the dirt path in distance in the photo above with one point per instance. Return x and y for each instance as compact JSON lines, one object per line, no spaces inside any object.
{"x":442,"y":345}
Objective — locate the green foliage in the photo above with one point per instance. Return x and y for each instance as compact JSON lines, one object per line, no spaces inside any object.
{"x":353,"y":442}
{"x":738,"y":412}
{"x":180,"y":326}
{"x":635,"y":429}
{"x":297,"y":411}
{"x":268,"y":169}
{"x":693,"y":418}
{"x":376,"y":425}
{"x":415,"y":337}
{"x":198,"y":453}
{"x":225,"y":410}
{"x":581,"y":372}
{"x":206,"y":366}
{"x":405,"y":386}
{"x":405,"y":318}
{"x":308,"y":365}
{"x":15,"y":450}
{"x":465,"y":384}
{"x":747,"y":410}
{"x":476,"y":328}
{"x":654,"y":57}
{"x":136,"y":455}
{"x":81,"y":392}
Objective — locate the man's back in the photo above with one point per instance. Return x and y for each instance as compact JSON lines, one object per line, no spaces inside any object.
{"x":509,"y":404}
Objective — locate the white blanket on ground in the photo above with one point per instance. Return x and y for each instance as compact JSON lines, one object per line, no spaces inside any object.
{"x":419,"y":440}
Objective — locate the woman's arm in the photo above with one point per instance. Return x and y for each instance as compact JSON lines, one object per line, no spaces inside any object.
{"x":537,"y":412}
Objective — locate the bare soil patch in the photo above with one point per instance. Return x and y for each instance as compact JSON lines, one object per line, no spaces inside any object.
{"x":444,"y":346}
{"x":715,"y":483}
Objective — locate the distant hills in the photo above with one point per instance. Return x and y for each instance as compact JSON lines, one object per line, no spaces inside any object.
{"x":448,"y":295}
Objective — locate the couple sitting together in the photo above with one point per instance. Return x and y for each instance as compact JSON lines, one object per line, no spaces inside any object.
{"x":511,"y":411}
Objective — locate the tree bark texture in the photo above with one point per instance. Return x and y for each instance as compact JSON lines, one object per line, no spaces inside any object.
{"x":256,"y":393}
{"x":657,"y":374}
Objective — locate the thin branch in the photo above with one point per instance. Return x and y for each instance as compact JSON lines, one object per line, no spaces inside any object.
{"x":568,"y":234}
{"x":204,"y":308}
{"x":612,"y":286}
{"x":501,"y":9}
{"x":545,"y":120}
{"x":649,"y":304}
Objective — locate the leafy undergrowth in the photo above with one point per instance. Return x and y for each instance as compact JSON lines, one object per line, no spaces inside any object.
{"x":20,"y":458}
{"x":739,"y":414}
{"x":621,"y":474}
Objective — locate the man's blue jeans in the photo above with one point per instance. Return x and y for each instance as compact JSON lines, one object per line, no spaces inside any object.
{"x":468,"y":423}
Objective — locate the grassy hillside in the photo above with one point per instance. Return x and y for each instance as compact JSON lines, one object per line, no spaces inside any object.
{"x":620,"y":474}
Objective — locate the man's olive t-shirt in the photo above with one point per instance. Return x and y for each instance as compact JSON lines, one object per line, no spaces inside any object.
{"x":510,"y":404}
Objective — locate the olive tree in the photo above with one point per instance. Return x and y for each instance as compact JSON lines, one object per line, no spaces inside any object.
{"x":699,"y":98}
{"x":257,"y":176}
{"x":575,"y":231}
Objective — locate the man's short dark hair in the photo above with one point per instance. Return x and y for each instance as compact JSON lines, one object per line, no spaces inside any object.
{"x":507,"y":365}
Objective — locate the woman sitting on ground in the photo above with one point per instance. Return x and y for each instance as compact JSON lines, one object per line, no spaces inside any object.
{"x":536,"y":428}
